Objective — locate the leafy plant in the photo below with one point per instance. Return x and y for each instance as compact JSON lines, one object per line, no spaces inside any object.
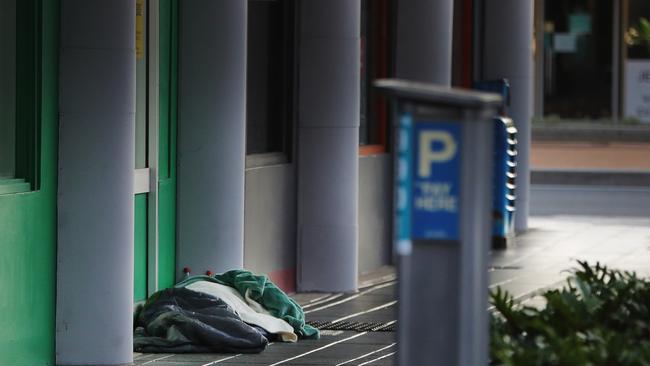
{"x":639,"y":35}
{"x":601,"y":317}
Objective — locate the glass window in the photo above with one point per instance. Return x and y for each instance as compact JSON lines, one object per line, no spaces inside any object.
{"x":7,"y":89}
{"x":19,"y":94}
{"x":578,"y":59}
{"x":636,"y":62}
{"x":376,"y":63}
{"x":637,"y":36}
{"x":269,"y":76}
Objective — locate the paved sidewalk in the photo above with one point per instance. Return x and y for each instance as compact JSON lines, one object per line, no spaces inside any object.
{"x":539,"y":261}
{"x":554,"y":244}
{"x":568,"y":223}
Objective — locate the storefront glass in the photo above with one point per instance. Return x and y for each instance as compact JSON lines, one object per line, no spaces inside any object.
{"x":636,"y":65}
{"x":7,"y":88}
{"x":594,"y":58}
{"x":578,"y":72}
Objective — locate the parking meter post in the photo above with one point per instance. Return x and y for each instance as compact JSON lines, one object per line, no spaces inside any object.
{"x":443,"y":175}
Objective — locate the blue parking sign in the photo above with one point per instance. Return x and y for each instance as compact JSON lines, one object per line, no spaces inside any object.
{"x":435,"y":180}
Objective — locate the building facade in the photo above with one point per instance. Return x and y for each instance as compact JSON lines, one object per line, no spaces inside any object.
{"x":144,"y":139}
{"x":592,"y":60}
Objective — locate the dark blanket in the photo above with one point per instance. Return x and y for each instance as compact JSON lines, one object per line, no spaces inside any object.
{"x":179,"y":320}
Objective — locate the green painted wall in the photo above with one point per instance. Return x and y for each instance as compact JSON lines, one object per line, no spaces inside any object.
{"x":28,"y":234}
{"x":140,"y":254}
{"x":167,"y":140}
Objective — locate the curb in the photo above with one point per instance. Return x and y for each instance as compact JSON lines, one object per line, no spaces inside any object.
{"x":598,"y":133}
{"x":628,"y":178}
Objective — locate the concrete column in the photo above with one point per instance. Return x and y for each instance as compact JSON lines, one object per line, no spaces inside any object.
{"x":94,"y":306}
{"x":211,"y":135}
{"x":508,"y":53}
{"x":424,"y":40}
{"x":328,"y":145}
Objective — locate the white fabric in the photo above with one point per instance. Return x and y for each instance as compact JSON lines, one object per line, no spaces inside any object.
{"x":255,"y":314}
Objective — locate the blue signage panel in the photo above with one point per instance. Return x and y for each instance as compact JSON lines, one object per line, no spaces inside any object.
{"x":435,"y":180}
{"x":403,"y":182}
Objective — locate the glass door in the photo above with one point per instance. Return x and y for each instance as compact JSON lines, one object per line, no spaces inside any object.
{"x":155,"y":145}
{"x":143,"y":169}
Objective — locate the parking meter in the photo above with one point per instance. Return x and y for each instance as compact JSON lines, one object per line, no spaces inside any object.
{"x":443,"y":189}
{"x":505,"y":167}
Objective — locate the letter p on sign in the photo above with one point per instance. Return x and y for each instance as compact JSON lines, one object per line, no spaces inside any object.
{"x":428,"y":155}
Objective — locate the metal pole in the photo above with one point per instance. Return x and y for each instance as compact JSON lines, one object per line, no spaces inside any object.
{"x":625,"y":10}
{"x":540,"y":18}
{"x":616,"y":60}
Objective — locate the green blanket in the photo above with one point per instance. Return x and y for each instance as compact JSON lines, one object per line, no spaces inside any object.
{"x":266,"y":293}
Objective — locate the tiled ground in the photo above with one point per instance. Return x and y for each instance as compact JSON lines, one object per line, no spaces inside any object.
{"x":612,"y":227}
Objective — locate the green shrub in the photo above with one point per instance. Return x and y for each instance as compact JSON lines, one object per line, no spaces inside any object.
{"x":601,"y":317}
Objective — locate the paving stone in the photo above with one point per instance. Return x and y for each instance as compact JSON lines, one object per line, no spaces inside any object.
{"x":540,"y":258}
